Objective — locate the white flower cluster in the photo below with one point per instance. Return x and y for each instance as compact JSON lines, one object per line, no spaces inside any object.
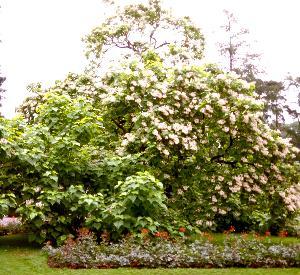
{"x":182,"y":114}
{"x":291,"y":197}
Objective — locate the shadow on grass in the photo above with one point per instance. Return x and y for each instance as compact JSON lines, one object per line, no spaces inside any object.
{"x":16,"y":241}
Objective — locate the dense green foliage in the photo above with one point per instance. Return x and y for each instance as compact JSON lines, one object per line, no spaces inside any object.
{"x":156,"y":142}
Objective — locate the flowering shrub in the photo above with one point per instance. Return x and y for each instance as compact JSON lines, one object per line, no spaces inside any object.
{"x":205,"y":145}
{"x":10,"y":225}
{"x":234,"y":252}
{"x":157,"y":142}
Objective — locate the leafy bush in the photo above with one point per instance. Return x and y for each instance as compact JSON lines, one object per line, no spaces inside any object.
{"x":139,"y":203}
{"x":234,"y":252}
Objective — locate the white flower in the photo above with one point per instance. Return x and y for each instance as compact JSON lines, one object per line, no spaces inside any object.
{"x":138,"y":101}
{"x":252,"y":199}
{"x":246,"y":119}
{"x":39,"y":204}
{"x":179,"y":78}
{"x":199,"y":222}
{"x":179,"y":191}
{"x":177,"y":104}
{"x":37,"y":189}
{"x":193,"y":145}
{"x":218,"y":187}
{"x":124,"y":142}
{"x":226,"y":129}
{"x":3,"y":141}
{"x":149,"y":104}
{"x":153,"y":78}
{"x":167,"y":176}
{"x":185,"y":187}
{"x":155,"y":132}
{"x":162,"y":125}
{"x":222,"y":102}
{"x":222,"y":211}
{"x":176,"y":126}
{"x":220,"y":178}
{"x":156,"y":94}
{"x":130,"y":137}
{"x":232,"y":118}
{"x":166,"y":152}
{"x":185,"y":129}
{"x":243,"y":159}
{"x":29,"y":202}
{"x":145,"y":114}
{"x":223,"y":194}
{"x":143,"y":83}
{"x":209,"y":223}
{"x":214,"y":199}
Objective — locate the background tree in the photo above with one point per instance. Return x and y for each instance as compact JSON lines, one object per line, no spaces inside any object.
{"x":292,"y":130}
{"x":295,"y":83}
{"x":2,"y":79}
{"x":272,"y":94}
{"x":239,"y":59}
{"x":235,"y":49}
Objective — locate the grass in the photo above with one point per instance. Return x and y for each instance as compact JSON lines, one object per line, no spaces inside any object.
{"x":18,"y":257}
{"x":218,"y":238}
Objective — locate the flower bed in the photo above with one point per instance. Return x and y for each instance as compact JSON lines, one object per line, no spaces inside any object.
{"x":85,"y":252}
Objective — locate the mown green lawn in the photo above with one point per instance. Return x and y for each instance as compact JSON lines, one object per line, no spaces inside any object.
{"x":17,"y":257}
{"x":219,"y":238}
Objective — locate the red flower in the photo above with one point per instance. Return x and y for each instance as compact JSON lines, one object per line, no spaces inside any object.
{"x":267,"y":233}
{"x":231,"y":228}
{"x":157,"y":234}
{"x":182,"y":229}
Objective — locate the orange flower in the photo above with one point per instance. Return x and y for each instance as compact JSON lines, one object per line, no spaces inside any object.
{"x":283,"y":234}
{"x":182,"y":229}
{"x":83,"y":231}
{"x":70,"y":241}
{"x":162,"y":234}
{"x":144,"y":231}
{"x":207,"y":236}
{"x":267,"y":233}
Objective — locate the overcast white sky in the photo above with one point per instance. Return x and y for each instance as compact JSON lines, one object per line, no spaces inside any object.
{"x":41,"y":39}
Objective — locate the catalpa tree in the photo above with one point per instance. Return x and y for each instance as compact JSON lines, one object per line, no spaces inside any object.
{"x":158,"y":141}
{"x":199,"y":129}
